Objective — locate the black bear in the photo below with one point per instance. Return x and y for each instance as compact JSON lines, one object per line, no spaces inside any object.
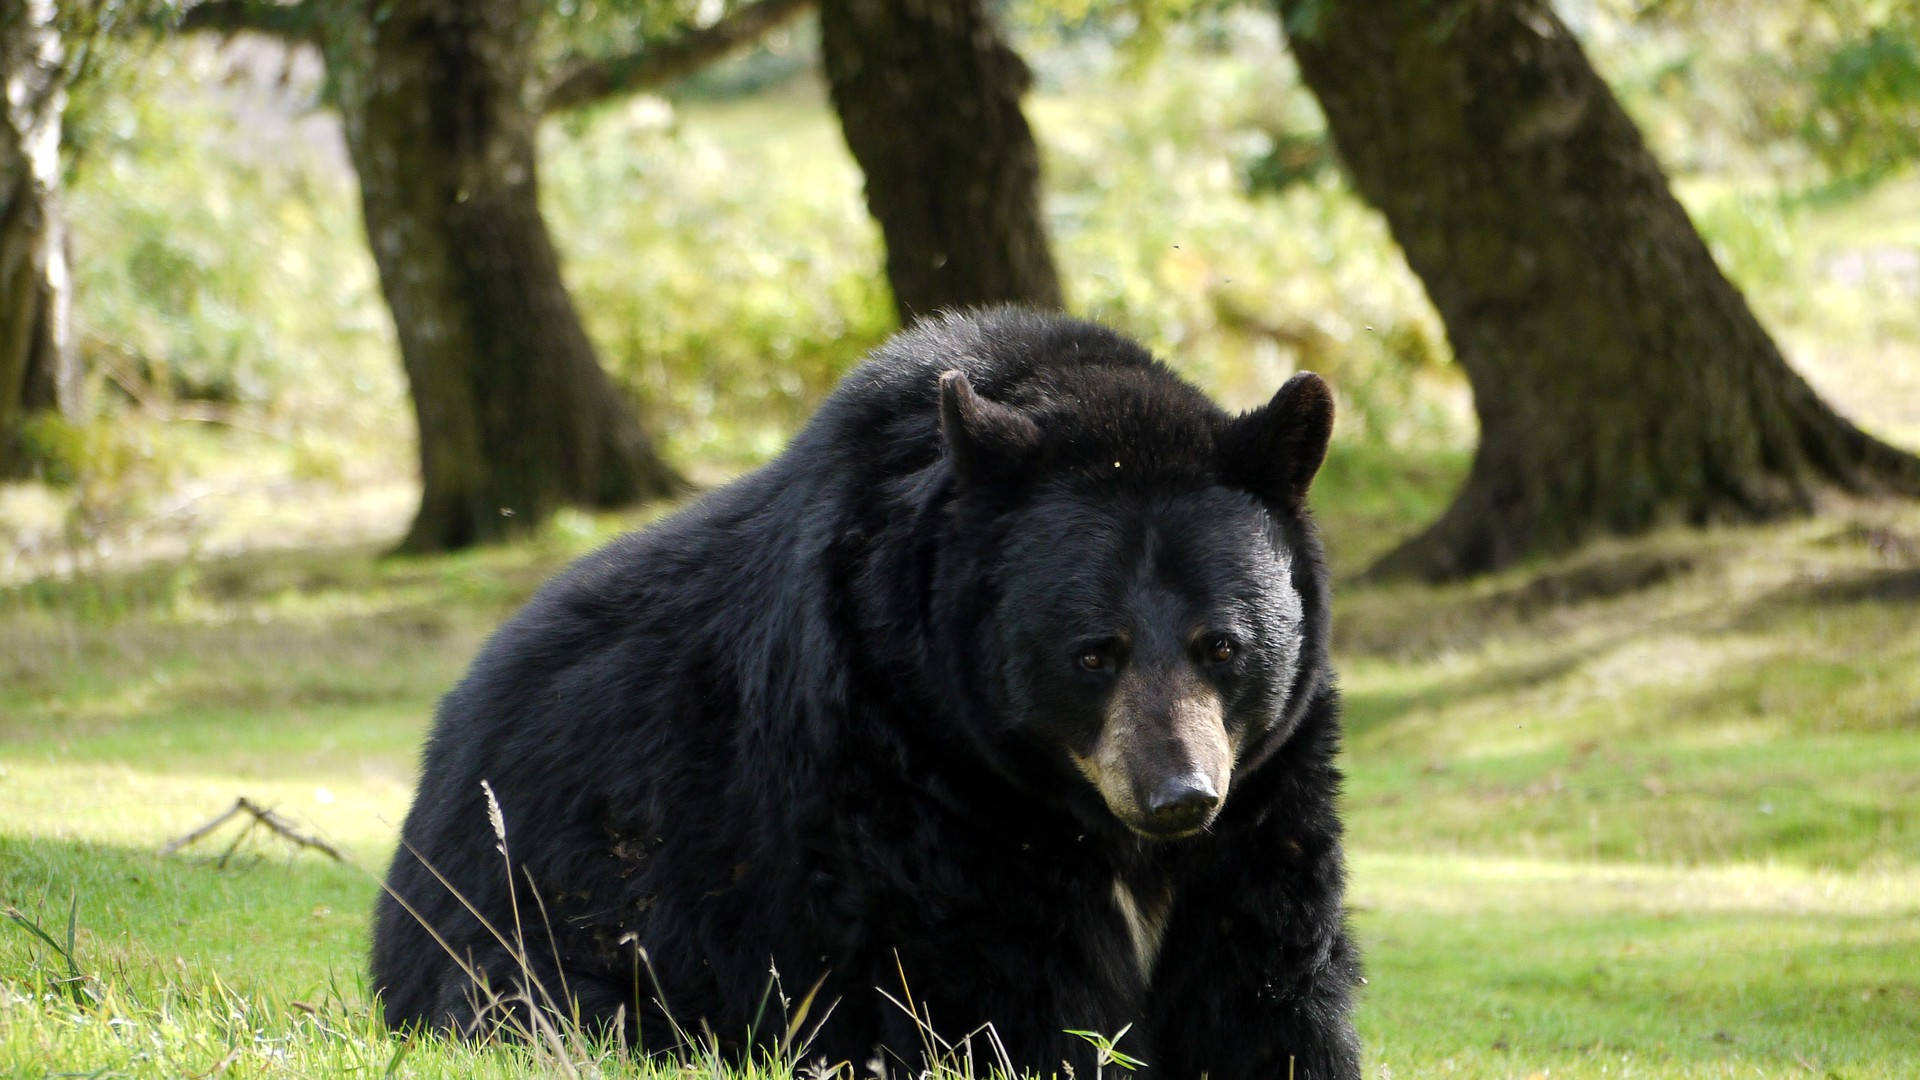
{"x":1004,"y":692}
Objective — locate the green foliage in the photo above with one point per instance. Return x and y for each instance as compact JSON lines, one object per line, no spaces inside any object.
{"x":113,"y":472}
{"x":218,"y":251}
{"x":579,"y":29}
{"x":1291,"y":159}
{"x":735,"y":275}
{"x":1751,"y":235}
{"x":1148,"y":169}
{"x":1828,"y":91}
{"x":722,"y":263}
{"x":94,"y":34}
{"x":1865,"y":119}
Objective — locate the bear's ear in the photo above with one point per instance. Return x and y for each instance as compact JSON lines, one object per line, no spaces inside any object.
{"x":1275,"y":450}
{"x":985,"y":439}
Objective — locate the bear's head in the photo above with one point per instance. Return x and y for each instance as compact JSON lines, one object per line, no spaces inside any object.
{"x":1158,"y":596}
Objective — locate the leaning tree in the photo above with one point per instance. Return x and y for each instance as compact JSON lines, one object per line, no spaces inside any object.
{"x":929,"y":100}
{"x":1620,"y":379}
{"x":516,"y":416}
{"x":440,"y":100}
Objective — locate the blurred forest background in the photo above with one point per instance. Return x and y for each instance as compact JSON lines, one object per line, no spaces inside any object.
{"x":1634,"y":680}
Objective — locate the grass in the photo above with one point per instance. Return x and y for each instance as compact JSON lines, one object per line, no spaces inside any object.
{"x":1652,"y":809}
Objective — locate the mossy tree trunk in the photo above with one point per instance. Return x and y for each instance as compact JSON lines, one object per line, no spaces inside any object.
{"x":929,"y":100}
{"x":1620,"y":379}
{"x":36,"y":360}
{"x":516,"y":416}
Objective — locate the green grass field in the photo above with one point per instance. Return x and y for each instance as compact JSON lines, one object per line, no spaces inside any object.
{"x":1649,"y":810}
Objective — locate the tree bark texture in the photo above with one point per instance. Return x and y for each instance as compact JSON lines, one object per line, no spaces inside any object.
{"x":516,"y":416}
{"x":36,"y":359}
{"x":929,"y":100}
{"x":1621,"y":380}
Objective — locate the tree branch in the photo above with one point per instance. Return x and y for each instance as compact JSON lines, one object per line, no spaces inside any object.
{"x":258,"y":815}
{"x":292,"y":23}
{"x":597,"y":80}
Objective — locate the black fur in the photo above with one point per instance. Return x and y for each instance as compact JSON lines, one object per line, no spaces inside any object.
{"x":820,"y":722}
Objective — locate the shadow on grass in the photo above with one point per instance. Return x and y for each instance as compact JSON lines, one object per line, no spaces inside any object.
{"x":1406,"y":621}
{"x":1365,"y":711}
{"x":499,"y":575}
{"x":126,"y":663}
{"x":1826,"y":601}
{"x":1870,"y":587}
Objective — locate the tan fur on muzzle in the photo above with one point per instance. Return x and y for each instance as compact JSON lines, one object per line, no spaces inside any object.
{"x":1155,"y":730}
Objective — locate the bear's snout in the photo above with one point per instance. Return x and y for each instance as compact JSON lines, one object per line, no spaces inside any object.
{"x":1163,"y":757}
{"x":1182,"y":804}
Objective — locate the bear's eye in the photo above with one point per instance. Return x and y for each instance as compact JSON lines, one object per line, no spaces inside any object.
{"x":1220,"y":650}
{"x":1102,"y":656}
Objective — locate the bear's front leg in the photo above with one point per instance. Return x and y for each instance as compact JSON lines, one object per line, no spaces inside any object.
{"x":1255,"y":979}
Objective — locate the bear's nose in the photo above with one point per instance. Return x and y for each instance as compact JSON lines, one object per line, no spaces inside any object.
{"x":1182,"y":803}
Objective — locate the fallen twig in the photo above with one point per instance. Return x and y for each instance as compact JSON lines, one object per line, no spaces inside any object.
{"x":258,"y":815}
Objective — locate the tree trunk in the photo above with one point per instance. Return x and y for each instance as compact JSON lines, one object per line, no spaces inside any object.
{"x":36,"y":360}
{"x":516,"y":417}
{"x":929,"y":100}
{"x":1620,"y":380}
